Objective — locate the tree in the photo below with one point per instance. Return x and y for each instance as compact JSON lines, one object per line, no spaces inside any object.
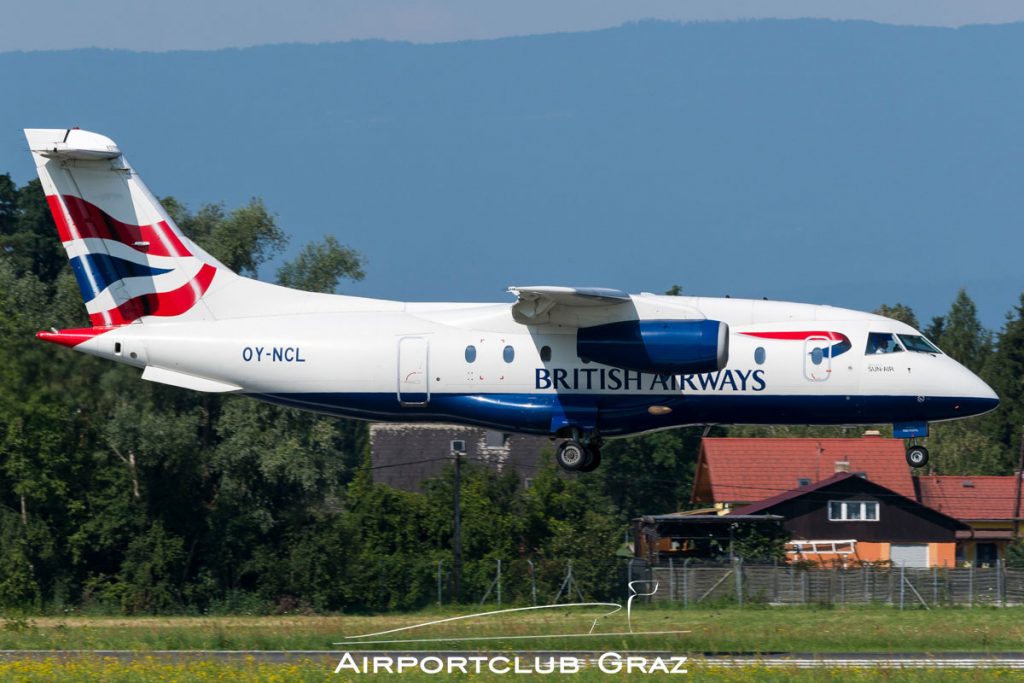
{"x":935,"y":328}
{"x":1003,"y":371}
{"x":319,"y":266}
{"x":900,"y":312}
{"x":960,"y":447}
{"x":650,"y":473}
{"x":963,"y":337}
{"x":28,"y":235}
{"x":242,"y":240}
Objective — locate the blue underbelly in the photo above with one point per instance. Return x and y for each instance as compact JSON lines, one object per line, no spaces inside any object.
{"x":620,"y":415}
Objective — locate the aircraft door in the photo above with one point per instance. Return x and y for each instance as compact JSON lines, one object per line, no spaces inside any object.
{"x":413,"y":372}
{"x":818,"y":358}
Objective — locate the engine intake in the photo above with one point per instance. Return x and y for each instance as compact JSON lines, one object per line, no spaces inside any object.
{"x":659,"y":346}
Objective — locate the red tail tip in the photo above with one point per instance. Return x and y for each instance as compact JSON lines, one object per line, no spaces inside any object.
{"x":71,"y":338}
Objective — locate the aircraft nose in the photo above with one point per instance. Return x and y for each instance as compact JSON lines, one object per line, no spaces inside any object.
{"x":977,"y":396}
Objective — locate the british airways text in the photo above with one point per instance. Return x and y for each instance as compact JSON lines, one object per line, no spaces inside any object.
{"x":617,"y":379}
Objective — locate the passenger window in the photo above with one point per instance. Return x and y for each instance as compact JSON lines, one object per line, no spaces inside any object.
{"x":759,"y":355}
{"x":882,"y":342}
{"x":470,"y":353}
{"x":509,"y":354}
{"x":545,"y":353}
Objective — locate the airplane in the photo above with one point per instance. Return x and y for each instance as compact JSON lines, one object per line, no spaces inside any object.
{"x":576,"y":364}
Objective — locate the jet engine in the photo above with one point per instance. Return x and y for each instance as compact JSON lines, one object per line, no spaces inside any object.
{"x":657,"y":346}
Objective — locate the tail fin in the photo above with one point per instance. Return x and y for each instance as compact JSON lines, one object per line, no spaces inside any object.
{"x":130,"y":259}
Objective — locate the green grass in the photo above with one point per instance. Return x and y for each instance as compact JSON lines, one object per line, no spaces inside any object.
{"x":154,"y":670}
{"x":862,"y":629}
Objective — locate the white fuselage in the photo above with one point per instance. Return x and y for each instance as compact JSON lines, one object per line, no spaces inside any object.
{"x":392,"y":361}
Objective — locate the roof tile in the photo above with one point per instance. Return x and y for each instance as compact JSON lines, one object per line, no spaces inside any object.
{"x":748,"y":470}
{"x":985,"y":498}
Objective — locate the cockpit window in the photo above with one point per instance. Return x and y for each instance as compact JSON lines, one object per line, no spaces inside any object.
{"x":915,"y":342}
{"x":882,"y":342}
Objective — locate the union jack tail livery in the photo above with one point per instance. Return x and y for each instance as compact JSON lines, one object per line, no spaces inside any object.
{"x":130,"y":259}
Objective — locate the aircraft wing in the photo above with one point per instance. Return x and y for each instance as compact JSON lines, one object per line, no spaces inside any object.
{"x":568,"y":305}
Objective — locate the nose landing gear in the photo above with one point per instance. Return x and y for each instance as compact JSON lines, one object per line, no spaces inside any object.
{"x":579,"y":454}
{"x":917,"y":456}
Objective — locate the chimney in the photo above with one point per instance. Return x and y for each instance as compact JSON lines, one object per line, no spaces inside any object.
{"x":842,"y":466}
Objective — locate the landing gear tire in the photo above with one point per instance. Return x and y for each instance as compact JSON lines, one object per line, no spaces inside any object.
{"x":593,"y":459}
{"x":917,"y":456}
{"x":571,"y":456}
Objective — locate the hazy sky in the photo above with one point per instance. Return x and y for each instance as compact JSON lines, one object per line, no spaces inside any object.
{"x":212,"y":24}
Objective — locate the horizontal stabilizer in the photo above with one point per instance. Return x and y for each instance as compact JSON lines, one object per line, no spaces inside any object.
{"x":186,"y":381}
{"x":71,"y":144}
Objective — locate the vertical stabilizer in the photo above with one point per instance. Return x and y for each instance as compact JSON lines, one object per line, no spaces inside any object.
{"x":130,"y":259}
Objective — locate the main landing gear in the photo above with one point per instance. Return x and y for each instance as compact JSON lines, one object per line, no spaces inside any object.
{"x":577,"y":455}
{"x":917,"y":456}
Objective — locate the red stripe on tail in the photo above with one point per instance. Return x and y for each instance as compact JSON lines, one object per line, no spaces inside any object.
{"x":165,"y":304}
{"x":84,"y":219}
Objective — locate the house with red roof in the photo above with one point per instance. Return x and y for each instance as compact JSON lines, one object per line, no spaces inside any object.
{"x":738,"y":471}
{"x":847,"y":520}
{"x":782,"y":476}
{"x":990,"y":506}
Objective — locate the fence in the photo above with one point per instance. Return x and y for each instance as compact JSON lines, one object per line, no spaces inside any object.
{"x":693,"y":585}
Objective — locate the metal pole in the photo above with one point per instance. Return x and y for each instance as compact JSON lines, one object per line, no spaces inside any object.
{"x":686,"y":583}
{"x":903,"y":585}
{"x":629,"y":574}
{"x":738,"y":571}
{"x":970,"y":586}
{"x":671,"y":580}
{"x":457,"y":530}
{"x":439,"y":574}
{"x":533,"y":579}
{"x":775,"y":580}
{"x":998,"y":582}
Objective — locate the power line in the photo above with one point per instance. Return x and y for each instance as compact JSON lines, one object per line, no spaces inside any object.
{"x":403,"y":464}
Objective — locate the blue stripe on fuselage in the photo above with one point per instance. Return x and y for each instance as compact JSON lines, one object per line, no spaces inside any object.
{"x":621,"y":415}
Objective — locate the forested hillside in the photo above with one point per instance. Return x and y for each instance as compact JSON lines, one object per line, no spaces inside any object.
{"x":123,"y":495}
{"x":826,"y":161}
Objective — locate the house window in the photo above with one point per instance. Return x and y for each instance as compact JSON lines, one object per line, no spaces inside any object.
{"x":986,"y":554}
{"x":852,"y":511}
{"x":495,"y":439}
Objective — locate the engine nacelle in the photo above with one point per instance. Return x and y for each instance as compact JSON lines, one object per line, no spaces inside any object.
{"x":659,"y":346}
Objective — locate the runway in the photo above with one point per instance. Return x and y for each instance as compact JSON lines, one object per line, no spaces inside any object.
{"x":884,"y":660}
